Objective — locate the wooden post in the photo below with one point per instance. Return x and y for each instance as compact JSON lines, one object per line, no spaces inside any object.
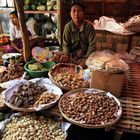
{"x":23,"y":29}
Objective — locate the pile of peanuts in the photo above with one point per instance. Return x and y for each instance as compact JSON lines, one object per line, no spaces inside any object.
{"x":13,"y":71}
{"x":46,"y":98}
{"x":70,"y":81}
{"x":89,"y":108}
{"x":31,"y":127}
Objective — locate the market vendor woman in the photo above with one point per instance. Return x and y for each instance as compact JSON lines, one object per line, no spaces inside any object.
{"x":15,"y":34}
{"x":79,"y":34}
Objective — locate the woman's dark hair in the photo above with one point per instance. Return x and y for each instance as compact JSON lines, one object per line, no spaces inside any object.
{"x":14,"y":13}
{"x":78,"y":4}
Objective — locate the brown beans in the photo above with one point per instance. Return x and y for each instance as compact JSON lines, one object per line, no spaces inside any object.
{"x":90,"y":108}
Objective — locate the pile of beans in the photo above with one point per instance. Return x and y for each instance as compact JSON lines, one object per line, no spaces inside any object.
{"x":89,"y":108}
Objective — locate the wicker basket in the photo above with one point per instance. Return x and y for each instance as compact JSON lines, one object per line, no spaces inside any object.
{"x":89,"y":125}
{"x":30,"y":109}
{"x":59,"y":68}
{"x":19,"y":109}
{"x":7,"y":95}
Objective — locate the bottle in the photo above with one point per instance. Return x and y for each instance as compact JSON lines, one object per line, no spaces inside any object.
{"x":43,"y":32}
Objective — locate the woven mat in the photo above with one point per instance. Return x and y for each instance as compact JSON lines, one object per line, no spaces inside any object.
{"x":130,"y":99}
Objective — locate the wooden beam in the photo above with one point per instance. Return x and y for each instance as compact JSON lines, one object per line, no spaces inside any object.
{"x":23,"y":29}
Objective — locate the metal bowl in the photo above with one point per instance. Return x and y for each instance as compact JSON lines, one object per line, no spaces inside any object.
{"x":54,"y":48}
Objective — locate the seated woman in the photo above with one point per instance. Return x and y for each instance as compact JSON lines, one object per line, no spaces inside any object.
{"x":15,"y":34}
{"x":79,"y":35}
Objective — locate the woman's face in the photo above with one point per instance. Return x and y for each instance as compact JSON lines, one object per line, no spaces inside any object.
{"x":13,"y":19}
{"x":77,"y":14}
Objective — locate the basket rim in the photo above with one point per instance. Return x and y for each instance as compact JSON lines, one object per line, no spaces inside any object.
{"x":19,"y":109}
{"x":4,"y":106}
{"x":51,"y":77}
{"x":31,"y":109}
{"x":47,"y":106}
{"x":56,"y":83}
{"x":89,"y":125}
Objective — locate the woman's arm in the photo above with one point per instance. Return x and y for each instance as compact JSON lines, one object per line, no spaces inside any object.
{"x":14,"y":45}
{"x":66,"y":41}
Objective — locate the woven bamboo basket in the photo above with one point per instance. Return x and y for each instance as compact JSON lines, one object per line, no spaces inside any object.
{"x":19,"y":109}
{"x":87,"y":90}
{"x":36,"y":104}
{"x":113,"y":42}
{"x":30,"y":109}
{"x":61,"y":67}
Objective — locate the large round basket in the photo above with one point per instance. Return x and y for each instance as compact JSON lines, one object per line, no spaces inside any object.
{"x":19,"y":109}
{"x":37,"y":103}
{"x":70,"y":76}
{"x":61,"y":67}
{"x":95,"y":91}
{"x":30,"y":109}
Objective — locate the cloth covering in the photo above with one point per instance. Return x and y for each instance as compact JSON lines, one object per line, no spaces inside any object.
{"x":109,"y":24}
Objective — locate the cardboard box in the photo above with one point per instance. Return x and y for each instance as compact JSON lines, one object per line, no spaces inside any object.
{"x":111,"y":82}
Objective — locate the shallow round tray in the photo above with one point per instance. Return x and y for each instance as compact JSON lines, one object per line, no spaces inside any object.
{"x":6,"y":56}
{"x":19,"y":109}
{"x":40,"y":81}
{"x":87,"y":91}
{"x":30,"y":109}
{"x":58,"y":68}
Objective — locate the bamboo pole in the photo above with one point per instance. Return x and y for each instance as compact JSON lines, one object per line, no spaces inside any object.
{"x":23,"y":29}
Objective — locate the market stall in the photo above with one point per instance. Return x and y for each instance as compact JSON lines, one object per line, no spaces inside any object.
{"x":44,"y":92}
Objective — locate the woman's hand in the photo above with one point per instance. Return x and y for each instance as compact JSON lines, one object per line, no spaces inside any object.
{"x":79,"y":53}
{"x":20,"y":50}
{"x":64,"y":59}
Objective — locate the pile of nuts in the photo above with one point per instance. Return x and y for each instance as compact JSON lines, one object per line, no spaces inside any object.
{"x":13,"y":71}
{"x":70,"y":81}
{"x":46,"y":98}
{"x":31,"y":127}
{"x":1,"y":102}
{"x":89,"y":108}
{"x":26,"y":95}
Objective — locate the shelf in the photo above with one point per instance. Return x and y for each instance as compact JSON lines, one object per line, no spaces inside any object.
{"x":40,"y":12}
